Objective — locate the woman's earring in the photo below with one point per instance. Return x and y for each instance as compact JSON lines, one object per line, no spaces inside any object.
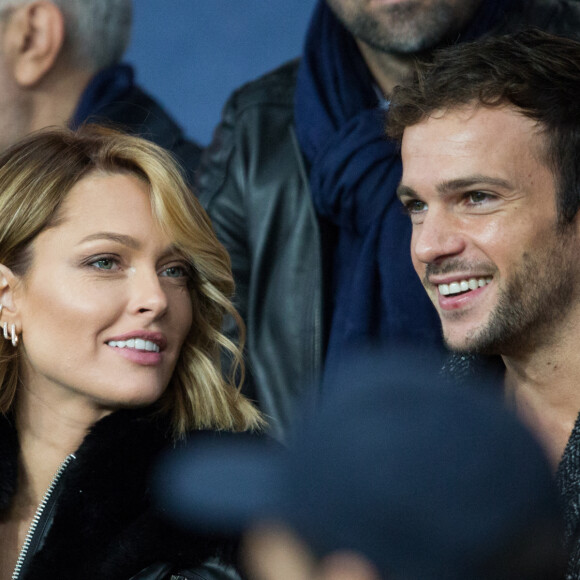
{"x":5,"y":329}
{"x":13,"y":335}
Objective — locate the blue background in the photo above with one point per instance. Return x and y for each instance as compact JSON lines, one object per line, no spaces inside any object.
{"x":191,"y":54}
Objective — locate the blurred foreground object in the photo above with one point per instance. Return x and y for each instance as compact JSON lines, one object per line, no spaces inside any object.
{"x":410,"y":476}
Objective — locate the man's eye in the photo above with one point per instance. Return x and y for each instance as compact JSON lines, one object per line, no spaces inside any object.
{"x":415,"y":206}
{"x":478,"y":196}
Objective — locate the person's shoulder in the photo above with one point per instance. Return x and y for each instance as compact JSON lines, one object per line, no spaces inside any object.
{"x":561,"y":17}
{"x":566,"y":18}
{"x":275,"y":88}
{"x":256,"y":116}
{"x":220,"y":435}
{"x":139,"y":113}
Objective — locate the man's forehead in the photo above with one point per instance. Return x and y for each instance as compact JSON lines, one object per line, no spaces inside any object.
{"x":465,"y":118}
{"x":469,"y":147}
{"x":470,"y":134}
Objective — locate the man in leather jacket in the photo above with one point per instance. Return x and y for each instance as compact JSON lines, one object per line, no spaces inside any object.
{"x":60,"y":65}
{"x":301,"y":188}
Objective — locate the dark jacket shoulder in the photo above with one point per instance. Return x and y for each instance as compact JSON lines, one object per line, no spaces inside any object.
{"x":138,"y":113}
{"x":102,"y":522}
{"x":254,"y":184}
{"x":560,"y":17}
{"x":275,"y":87}
{"x":261,"y":110}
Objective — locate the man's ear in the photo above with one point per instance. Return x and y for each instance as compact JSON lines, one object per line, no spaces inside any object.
{"x":32,"y":41}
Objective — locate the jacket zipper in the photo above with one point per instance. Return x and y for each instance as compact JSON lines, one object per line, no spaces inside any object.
{"x":38,"y":515}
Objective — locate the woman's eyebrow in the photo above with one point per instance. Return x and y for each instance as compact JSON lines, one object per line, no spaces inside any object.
{"x":129,"y":241}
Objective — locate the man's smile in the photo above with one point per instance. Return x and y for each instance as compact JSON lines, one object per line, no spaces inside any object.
{"x":462,"y":286}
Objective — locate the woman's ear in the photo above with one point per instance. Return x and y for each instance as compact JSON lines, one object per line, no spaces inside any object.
{"x":9,"y":316}
{"x":32,"y":41}
{"x":8,"y":285}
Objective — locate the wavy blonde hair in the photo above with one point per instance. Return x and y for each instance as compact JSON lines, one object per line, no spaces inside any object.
{"x":36,"y":176}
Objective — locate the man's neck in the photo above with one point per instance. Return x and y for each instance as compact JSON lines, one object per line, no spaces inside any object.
{"x":544,"y":388}
{"x":388,"y":70}
{"x":55,"y":102}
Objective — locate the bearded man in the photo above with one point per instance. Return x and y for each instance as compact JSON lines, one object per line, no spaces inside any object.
{"x":300,"y":184}
{"x":490,"y":142}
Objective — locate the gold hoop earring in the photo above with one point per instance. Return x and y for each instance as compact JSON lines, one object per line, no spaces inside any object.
{"x":13,"y":335}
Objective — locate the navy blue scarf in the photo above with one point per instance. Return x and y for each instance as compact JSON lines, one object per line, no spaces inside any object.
{"x":354,"y":173}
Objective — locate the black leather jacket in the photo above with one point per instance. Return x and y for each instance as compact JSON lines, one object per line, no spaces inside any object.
{"x":138,"y":113}
{"x":98,"y":520}
{"x":255,"y":187}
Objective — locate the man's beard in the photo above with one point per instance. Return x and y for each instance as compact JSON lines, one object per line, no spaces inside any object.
{"x":408,"y":28}
{"x":535,"y":301}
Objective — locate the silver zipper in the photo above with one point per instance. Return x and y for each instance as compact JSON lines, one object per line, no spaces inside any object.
{"x":38,"y":515}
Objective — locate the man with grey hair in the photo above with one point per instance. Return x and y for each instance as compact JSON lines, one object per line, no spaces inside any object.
{"x":60,"y":65}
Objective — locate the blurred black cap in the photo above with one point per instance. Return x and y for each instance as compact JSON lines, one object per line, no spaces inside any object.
{"x":426,"y":478}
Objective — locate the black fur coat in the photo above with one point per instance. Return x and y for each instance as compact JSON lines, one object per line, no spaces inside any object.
{"x":103,"y":525}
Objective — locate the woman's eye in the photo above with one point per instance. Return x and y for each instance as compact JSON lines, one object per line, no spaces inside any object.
{"x":104,"y":264}
{"x":175,"y":272}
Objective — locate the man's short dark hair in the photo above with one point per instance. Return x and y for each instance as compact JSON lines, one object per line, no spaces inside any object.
{"x":535,"y":72}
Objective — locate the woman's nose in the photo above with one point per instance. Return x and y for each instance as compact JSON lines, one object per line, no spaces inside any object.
{"x":147,"y":293}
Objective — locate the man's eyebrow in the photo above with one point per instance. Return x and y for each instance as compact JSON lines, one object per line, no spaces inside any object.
{"x":123,"y":239}
{"x":453,"y":185}
{"x":406,"y":191}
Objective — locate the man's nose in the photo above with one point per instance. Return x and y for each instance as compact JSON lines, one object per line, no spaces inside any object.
{"x":439,"y":236}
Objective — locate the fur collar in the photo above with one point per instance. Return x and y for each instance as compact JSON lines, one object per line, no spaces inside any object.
{"x":104,"y":525}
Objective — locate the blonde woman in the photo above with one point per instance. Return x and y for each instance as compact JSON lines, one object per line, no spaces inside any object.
{"x":112,"y":292}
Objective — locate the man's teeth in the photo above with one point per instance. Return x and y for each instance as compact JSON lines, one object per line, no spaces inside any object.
{"x":136,"y":343}
{"x":462,"y":286}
